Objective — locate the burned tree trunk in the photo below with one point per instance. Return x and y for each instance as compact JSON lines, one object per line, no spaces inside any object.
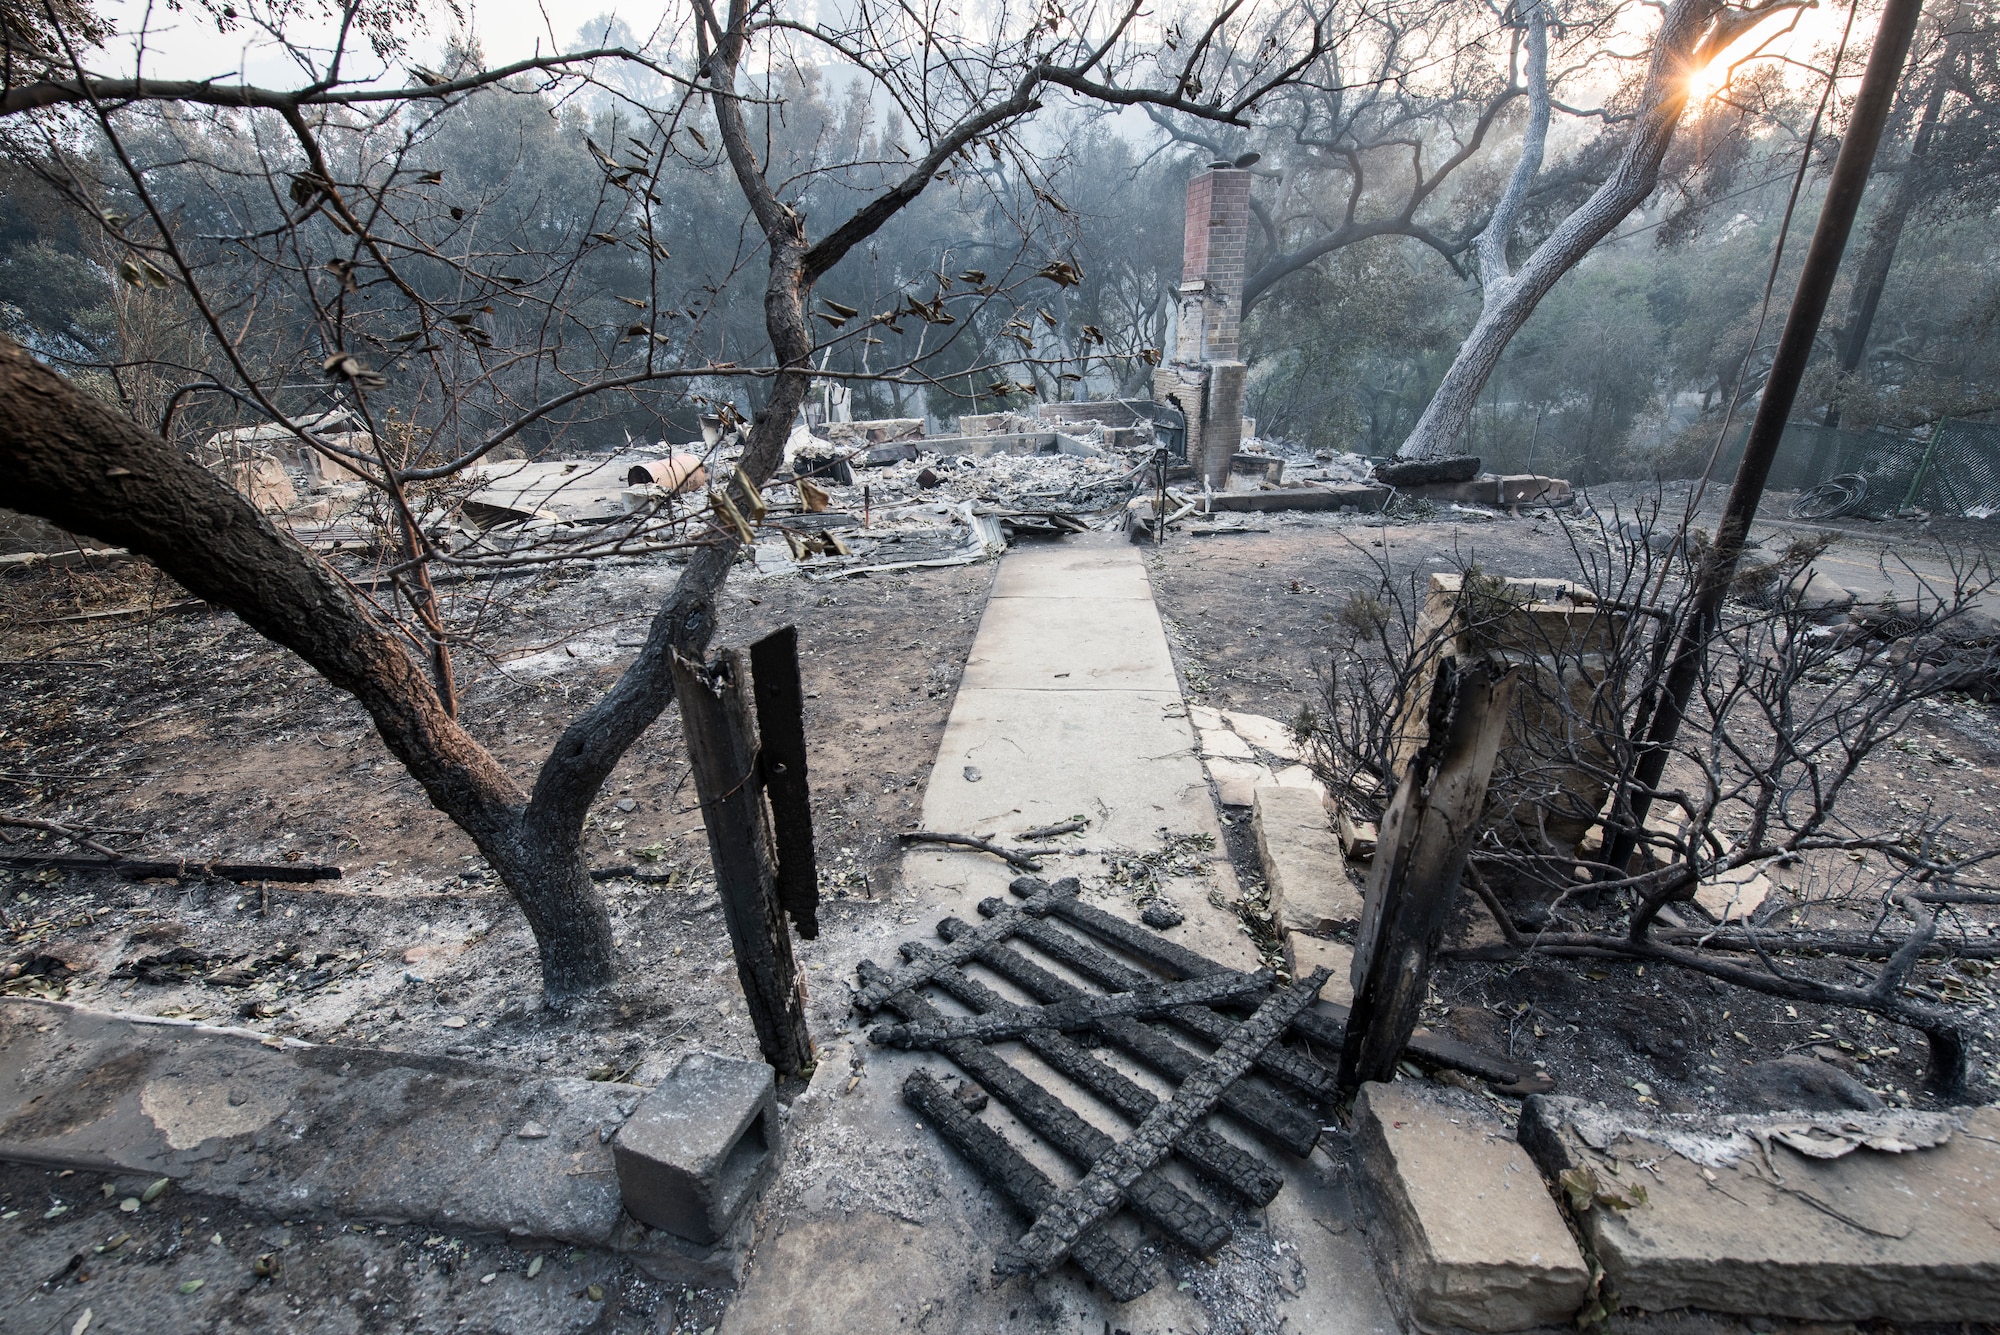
{"x":72,"y":460}
{"x":722,"y":750}
{"x":1426,"y":834}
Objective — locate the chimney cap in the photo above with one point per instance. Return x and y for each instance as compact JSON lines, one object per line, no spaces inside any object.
{"x":1220,"y":166}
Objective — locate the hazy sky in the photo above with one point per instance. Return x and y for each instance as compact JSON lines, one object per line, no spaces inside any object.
{"x":186,"y":45}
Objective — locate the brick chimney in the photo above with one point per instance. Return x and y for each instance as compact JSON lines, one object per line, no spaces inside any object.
{"x":1205,"y":377}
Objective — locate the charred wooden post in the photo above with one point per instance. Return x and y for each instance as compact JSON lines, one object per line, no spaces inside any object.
{"x":722,"y":750}
{"x":781,"y":727}
{"x":1426,"y":834}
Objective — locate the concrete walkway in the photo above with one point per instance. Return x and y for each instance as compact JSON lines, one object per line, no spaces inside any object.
{"x":1069,"y":706}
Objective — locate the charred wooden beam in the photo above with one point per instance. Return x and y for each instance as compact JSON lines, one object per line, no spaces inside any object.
{"x":915,"y":973}
{"x":1419,"y":860}
{"x":781,"y":760}
{"x":1111,"y":1179}
{"x":1326,"y":1024}
{"x":1122,"y":1275}
{"x":1085,"y":1012}
{"x":141,"y":869}
{"x":722,"y":752}
{"x":1295,"y":1069}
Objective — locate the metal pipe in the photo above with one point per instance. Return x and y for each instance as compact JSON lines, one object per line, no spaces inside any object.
{"x":1795,"y":347}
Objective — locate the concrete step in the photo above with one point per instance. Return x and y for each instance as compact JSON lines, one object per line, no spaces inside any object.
{"x":1303,"y":864}
{"x":1471,"y":1235}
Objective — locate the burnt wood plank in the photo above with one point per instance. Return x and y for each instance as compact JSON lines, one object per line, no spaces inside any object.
{"x":1144,"y":997}
{"x":781,"y":760}
{"x":1325,"y":1025}
{"x":1121,"y":1274}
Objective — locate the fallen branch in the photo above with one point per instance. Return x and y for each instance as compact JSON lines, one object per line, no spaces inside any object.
{"x":629,"y":871}
{"x":76,"y":834}
{"x":1947,"y":1069}
{"x":139,"y":870}
{"x":1019,"y":859}
{"x":123,"y":613}
{"x":1042,"y":833}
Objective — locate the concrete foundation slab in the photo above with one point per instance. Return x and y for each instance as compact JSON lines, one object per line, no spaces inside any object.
{"x":1470,"y":1231}
{"x":298,"y":1130}
{"x":1910,"y":1237}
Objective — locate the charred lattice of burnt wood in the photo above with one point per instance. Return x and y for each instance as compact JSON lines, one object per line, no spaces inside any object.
{"x":1142,"y":998}
{"x":1295,"y":1069}
{"x":1235,"y":1170}
{"x":1152,"y":1197}
{"x":1275,"y":1117}
{"x":1119,"y":1272}
{"x":1109,"y":1183}
{"x":781,"y":762}
{"x":1326,"y":1025}
{"x":916,"y":973}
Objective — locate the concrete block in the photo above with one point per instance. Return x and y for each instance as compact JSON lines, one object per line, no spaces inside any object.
{"x":1303,"y":866}
{"x":1764,"y":1230}
{"x":1357,"y":836}
{"x":1473,"y":1237}
{"x":1533,"y":489}
{"x":699,"y":1147}
{"x":1734,"y":895}
{"x":1820,"y":598}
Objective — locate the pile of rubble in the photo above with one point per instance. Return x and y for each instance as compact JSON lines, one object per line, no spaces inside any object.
{"x":852,"y":497}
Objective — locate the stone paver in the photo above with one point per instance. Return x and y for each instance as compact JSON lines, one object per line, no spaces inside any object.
{"x":1474,"y":1238}
{"x":1303,"y":864}
{"x":1910,"y":1237}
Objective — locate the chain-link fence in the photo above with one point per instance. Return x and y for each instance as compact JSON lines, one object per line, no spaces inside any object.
{"x":1953,"y":469}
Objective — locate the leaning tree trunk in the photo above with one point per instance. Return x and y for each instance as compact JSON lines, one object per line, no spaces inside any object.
{"x":1684,"y":32}
{"x":70,"y":459}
